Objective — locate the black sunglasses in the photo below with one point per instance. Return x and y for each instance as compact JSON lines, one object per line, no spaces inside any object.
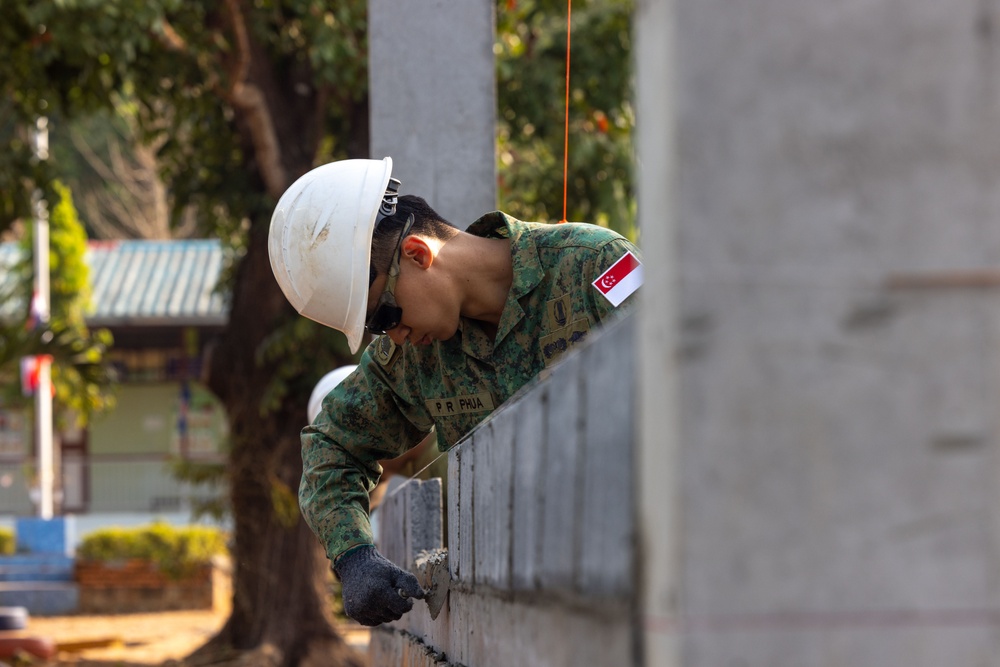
{"x":387,"y":315}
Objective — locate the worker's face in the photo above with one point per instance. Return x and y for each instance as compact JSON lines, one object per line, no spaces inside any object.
{"x":429,"y":310}
{"x":386,"y":314}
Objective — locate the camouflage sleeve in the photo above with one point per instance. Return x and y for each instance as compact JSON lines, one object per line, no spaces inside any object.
{"x":597,"y":264}
{"x":362,"y":422}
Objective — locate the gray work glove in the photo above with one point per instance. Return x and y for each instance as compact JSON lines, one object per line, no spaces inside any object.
{"x":375,"y":591}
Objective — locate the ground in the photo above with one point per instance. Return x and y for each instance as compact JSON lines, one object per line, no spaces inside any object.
{"x":134,"y":640}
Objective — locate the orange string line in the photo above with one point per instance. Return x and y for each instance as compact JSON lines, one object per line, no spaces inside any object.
{"x":569,"y":14}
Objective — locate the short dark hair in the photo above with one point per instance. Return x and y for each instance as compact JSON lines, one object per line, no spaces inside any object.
{"x":426,"y":222}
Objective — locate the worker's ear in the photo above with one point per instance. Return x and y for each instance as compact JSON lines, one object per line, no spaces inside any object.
{"x":416,"y":249}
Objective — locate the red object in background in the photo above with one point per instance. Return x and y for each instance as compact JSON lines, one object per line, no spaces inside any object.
{"x":30,"y":370}
{"x":13,"y":642}
{"x":602,"y":122}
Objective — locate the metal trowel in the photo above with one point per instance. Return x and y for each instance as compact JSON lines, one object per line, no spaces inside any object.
{"x":434,"y":577}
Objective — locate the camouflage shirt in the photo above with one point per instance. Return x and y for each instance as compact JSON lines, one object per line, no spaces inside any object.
{"x":398,"y":394}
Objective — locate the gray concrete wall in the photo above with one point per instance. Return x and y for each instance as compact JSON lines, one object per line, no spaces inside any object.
{"x":433,"y":101}
{"x":839,"y":439}
{"x":838,"y":443}
{"x":541,"y":530}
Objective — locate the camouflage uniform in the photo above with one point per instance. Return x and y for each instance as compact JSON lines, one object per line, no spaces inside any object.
{"x":399,"y":393}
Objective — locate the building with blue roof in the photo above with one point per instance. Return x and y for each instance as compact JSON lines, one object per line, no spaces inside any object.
{"x":161,"y":303}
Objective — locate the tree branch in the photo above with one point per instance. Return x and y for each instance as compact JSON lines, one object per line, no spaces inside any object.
{"x":248,"y":98}
{"x":170,"y":38}
{"x":244,"y":96}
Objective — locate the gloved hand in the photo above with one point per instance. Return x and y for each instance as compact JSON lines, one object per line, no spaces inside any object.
{"x":375,"y":591}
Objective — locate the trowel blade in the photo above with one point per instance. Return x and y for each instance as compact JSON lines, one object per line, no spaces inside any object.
{"x":435,"y":579}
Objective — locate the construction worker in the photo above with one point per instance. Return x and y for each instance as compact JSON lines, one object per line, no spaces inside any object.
{"x":463,"y":320}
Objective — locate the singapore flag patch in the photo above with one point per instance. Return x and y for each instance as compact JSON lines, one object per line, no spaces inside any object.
{"x":623,"y":278}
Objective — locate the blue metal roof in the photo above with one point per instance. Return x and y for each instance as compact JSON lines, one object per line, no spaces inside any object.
{"x":149,"y":283}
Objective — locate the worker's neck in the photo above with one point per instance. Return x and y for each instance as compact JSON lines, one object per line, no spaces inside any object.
{"x":483,"y":271}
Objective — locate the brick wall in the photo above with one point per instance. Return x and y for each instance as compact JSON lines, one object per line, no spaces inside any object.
{"x":138,"y":586}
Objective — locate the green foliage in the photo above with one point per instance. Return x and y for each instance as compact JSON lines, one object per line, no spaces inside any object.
{"x":80,"y":42}
{"x":170,"y":65}
{"x":83,"y":381}
{"x":173,"y":550}
{"x":7,"y":542}
{"x":69,"y":284}
{"x":299,"y":373}
{"x":285,"y":502}
{"x":81,"y":378}
{"x":531,"y":90}
{"x":167,"y":66}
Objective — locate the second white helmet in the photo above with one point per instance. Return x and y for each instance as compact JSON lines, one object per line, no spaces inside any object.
{"x":324,"y":387}
{"x":320,"y":240}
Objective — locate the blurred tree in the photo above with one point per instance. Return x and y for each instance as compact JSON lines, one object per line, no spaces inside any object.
{"x":531,"y":92}
{"x":118,"y":178}
{"x":82,"y":381}
{"x":240,"y":97}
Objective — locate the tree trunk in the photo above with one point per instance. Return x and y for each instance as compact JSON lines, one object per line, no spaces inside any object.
{"x":281,"y":597}
{"x":281,"y":578}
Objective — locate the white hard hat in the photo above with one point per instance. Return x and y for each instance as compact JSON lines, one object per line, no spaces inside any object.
{"x":320,"y":241}
{"x":324,"y":387}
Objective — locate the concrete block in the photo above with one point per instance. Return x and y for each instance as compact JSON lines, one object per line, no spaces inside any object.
{"x":492,"y":500}
{"x":461,"y":629}
{"x":607,"y":540}
{"x":560,"y":505}
{"x":410,"y":520}
{"x":423,"y":513}
{"x":385,"y":647}
{"x":454,"y":510}
{"x":393,"y":524}
{"x":466,"y":528}
{"x":499,"y":633}
{"x":397,"y":644}
{"x":530,"y":477}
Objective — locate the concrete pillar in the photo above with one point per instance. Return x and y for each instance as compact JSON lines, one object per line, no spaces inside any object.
{"x":656,"y":459}
{"x":838,"y":382}
{"x":433,"y":101}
